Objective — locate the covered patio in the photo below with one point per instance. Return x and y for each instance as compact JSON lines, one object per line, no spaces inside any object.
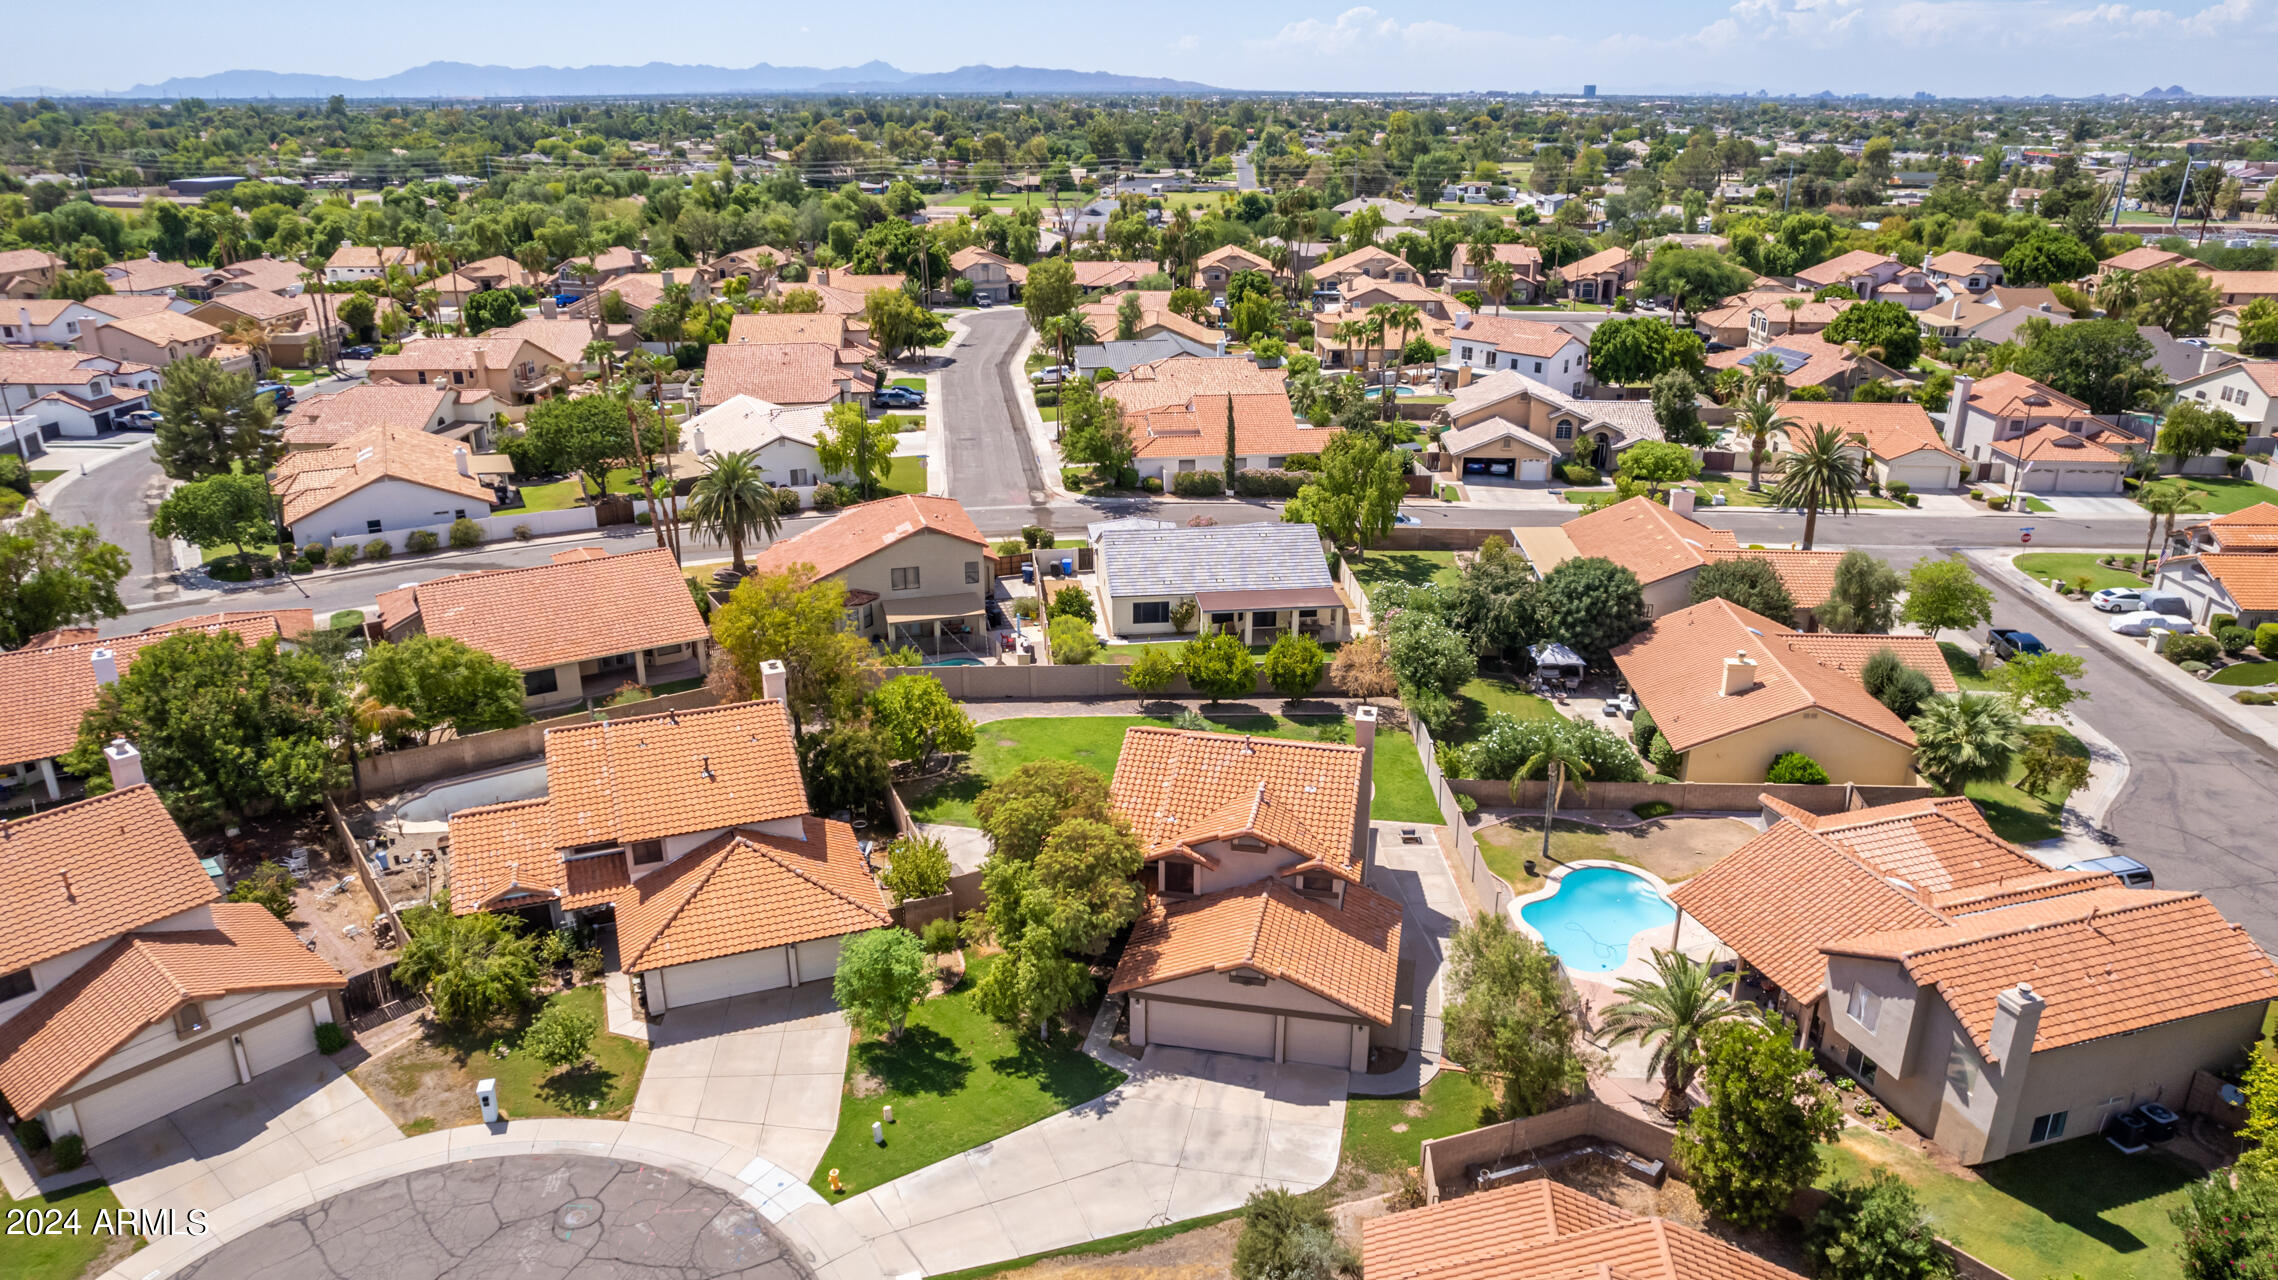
{"x":1260,"y":616}
{"x":936,"y":625}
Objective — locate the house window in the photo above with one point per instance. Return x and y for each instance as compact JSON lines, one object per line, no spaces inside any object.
{"x":1150,"y":612}
{"x":2050,"y":1127}
{"x":1178,"y":877}
{"x":1467,"y":355}
{"x":869,"y":616}
{"x":1316,"y":882}
{"x":1566,"y":431}
{"x":905,"y":579}
{"x":538,"y":682}
{"x":647,"y":852}
{"x":457,"y":377}
{"x":1859,"y":1064}
{"x":17,"y":984}
{"x":371,"y":526}
{"x":1961,"y":1071}
{"x":189,"y":1020}
{"x":972,"y":572}
{"x":1866,"y":1008}
{"x":1538,"y":366}
{"x":1222,"y":619}
{"x":798,"y":476}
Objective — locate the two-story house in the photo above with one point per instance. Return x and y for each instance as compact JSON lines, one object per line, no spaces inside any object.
{"x":1468,"y":270}
{"x":1991,"y":1003}
{"x":128,"y":988}
{"x":690,"y":830}
{"x":1511,"y":425}
{"x":1963,"y":272}
{"x":2009,"y":420}
{"x":49,"y":322}
{"x":1544,"y":352}
{"x":2247,"y":391}
{"x":158,"y":339}
{"x":995,"y":278}
{"x":1330,"y":278}
{"x":1262,"y":937}
{"x":1601,"y":277}
{"x":514,"y":370}
{"x":580,"y":276}
{"x":1213,"y":269}
{"x":72,"y":393}
{"x":324,"y":420}
{"x":27,"y":273}
{"x":915,"y":570}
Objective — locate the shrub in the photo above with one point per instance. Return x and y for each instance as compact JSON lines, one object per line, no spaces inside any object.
{"x":1914,"y":499}
{"x":1025,"y":607}
{"x":1641,"y":730}
{"x":378,"y":549}
{"x":522,"y":533}
{"x":1652,"y":809}
{"x":2216,"y":622}
{"x":341,"y":554}
{"x":1795,"y":766}
{"x":32,"y":1134}
{"x":1267,"y":484}
{"x":940,"y":937}
{"x":644,"y":519}
{"x":15,"y":475}
{"x":1578,"y":473}
{"x":1073,"y":644}
{"x":1301,"y":462}
{"x":826,"y":497}
{"x":1072,"y":602}
{"x":1899,"y":489}
{"x":2266,"y":639}
{"x":1197,"y":484}
{"x":917,"y":867}
{"x":1505,"y":744}
{"x":2192,"y":648}
{"x":2255,"y":697}
{"x":419,"y":542}
{"x":465,"y":533}
{"x":1152,"y":484}
{"x":1667,"y":760}
{"x":1192,"y":721}
{"x":2194,"y":668}
{"x":1998,"y":502}
{"x":786,"y":501}
{"x":1009,"y":547}
{"x":1035,"y":536}
{"x":70,"y":1152}
{"x":330,"y":1038}
{"x":2234,"y":639}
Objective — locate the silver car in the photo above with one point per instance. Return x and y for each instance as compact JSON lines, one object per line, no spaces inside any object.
{"x":2143,"y":622}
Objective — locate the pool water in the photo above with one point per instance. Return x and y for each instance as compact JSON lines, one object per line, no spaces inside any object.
{"x":1589,"y":921}
{"x":954,"y":662}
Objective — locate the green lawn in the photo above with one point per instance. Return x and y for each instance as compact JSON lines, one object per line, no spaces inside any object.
{"x":2036,"y":506}
{"x":1734,"y":487}
{"x":344,"y":618}
{"x":563,"y":494}
{"x":914,"y":384}
{"x":42,"y":477}
{"x":1386,"y":1135}
{"x":1407,"y":568}
{"x":70,"y":1251}
{"x":1402,"y":792}
{"x":2221,"y":495}
{"x":1123,"y":655}
{"x":2069,"y":565}
{"x":907,"y":475}
{"x":1490,"y":692}
{"x":956,"y":1079}
{"x":2246,"y":673}
{"x":2019,"y":815}
{"x":1964,"y":668}
{"x":259,"y":551}
{"x":527,"y":1088}
{"x":2073,"y":1208}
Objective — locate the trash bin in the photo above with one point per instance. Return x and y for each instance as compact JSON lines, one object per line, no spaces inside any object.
{"x":1067,"y":566}
{"x":486,"y":1094}
{"x":1028,"y":571}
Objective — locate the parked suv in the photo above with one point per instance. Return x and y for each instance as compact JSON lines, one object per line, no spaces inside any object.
{"x":2008,"y":642}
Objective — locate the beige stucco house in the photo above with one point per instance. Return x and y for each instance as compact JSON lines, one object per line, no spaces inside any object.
{"x":514,"y":370}
{"x":1512,"y":425}
{"x":915,"y":568}
{"x":1215,"y":268}
{"x":157,"y":339}
{"x":995,"y":278}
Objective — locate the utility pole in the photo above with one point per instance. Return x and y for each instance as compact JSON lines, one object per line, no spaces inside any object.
{"x":1789,"y":186}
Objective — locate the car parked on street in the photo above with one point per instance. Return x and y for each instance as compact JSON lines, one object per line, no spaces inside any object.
{"x":898,"y":398}
{"x":2132,"y":874}
{"x":2118,"y":599}
{"x":358,"y":352}
{"x":2144,"y":621}
{"x":2008,"y":642}
{"x":139,"y":420}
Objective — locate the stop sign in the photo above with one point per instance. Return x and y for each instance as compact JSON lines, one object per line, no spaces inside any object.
{"x":2025,"y":537}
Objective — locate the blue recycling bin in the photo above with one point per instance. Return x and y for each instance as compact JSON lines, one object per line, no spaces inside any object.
{"x":1028,"y":572}
{"x":1067,"y":567}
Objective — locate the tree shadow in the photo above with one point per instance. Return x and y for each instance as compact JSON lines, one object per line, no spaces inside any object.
{"x":921,"y":1060}
{"x":2078,"y":1184}
{"x":572,"y":1087}
{"x":1061,"y":1069}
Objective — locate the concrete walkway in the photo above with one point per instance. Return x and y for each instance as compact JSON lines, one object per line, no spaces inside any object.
{"x":1431,"y":904}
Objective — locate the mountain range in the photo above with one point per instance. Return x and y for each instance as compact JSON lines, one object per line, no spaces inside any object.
{"x":467,"y":80}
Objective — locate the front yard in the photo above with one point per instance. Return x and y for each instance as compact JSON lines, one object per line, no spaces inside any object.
{"x":956,"y":1079}
{"x":2018,"y":815}
{"x":561,"y":495}
{"x":2073,"y":565}
{"x":1964,"y":668}
{"x":2221,"y":495}
{"x":1402,"y":793}
{"x":906,"y":475}
{"x":430,"y":1083}
{"x":1734,"y":488}
{"x":69,"y":1247}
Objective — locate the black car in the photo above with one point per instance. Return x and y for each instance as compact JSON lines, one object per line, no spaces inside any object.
{"x":358,"y":353}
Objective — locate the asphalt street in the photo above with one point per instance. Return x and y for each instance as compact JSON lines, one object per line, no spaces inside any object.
{"x":992,"y":468}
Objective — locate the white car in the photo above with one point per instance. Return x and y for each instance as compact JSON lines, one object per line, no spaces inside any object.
{"x":1051,"y":375}
{"x":2143,"y":622}
{"x":2118,"y":599}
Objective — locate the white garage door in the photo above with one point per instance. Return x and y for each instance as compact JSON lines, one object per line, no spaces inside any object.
{"x":136,"y":1102}
{"x":686,"y":984}
{"x":281,"y":1039}
{"x":1218,"y":1030}
{"x":818,"y":959}
{"x":1534,"y":469}
{"x":1324,"y":1044}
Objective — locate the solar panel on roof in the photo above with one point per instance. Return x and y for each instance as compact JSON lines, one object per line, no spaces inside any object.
{"x":1790,"y":361}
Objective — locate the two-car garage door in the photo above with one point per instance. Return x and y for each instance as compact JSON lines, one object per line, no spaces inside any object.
{"x":1312,"y":1040}
{"x":138,"y":1101}
{"x":740,"y":975}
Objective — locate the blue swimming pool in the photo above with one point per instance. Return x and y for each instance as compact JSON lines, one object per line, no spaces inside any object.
{"x":1589,"y":921}
{"x":954,"y":662}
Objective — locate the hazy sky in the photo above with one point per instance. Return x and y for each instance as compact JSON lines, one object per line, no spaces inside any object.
{"x":1882,"y":46}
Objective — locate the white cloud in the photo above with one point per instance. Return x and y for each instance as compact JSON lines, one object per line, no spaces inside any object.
{"x":1187,"y":43}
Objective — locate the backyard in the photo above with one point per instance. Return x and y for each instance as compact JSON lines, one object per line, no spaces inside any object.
{"x":1402,"y":794}
{"x":76,"y":1248}
{"x":561,"y":495}
{"x":955,"y":1078}
{"x":2221,"y":495}
{"x":429,"y":1083}
{"x":1404,"y":568}
{"x":1671,"y":848}
{"x":1487,"y":693}
{"x":1386,"y":1135}
{"x":2018,"y":815}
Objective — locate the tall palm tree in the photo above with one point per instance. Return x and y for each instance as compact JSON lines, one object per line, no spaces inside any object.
{"x":1673,"y":1012}
{"x":1399,"y":320}
{"x":604,"y":354}
{"x":2165,"y":501}
{"x":1767,"y":376}
{"x":1067,"y":331}
{"x":1562,"y":763}
{"x":1758,"y":419}
{"x":1821,"y":472}
{"x":1351,"y":332}
{"x":1496,"y":280}
{"x":730,"y":502}
{"x":1793,"y":305}
{"x":654,"y":367}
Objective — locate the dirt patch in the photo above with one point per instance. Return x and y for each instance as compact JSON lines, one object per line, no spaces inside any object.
{"x":421,"y":1086}
{"x":1675,"y":849}
{"x":1206,"y":1253}
{"x":340,"y":920}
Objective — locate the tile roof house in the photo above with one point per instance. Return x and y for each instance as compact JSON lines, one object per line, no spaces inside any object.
{"x":1213,"y":269}
{"x":1810,"y":361}
{"x":1990,"y":1002}
{"x":1155,"y":319}
{"x":1512,"y":424}
{"x":1601,"y":277}
{"x":1985,"y":415}
{"x":351,"y":262}
{"x":691,"y":830}
{"x":791,"y":374}
{"x":1545,"y":352}
{"x":994,"y":276}
{"x":636,"y":622}
{"x":1094,"y":275}
{"x":379,"y":480}
{"x":1258,"y":580}
{"x":915,"y":569}
{"x":292,"y":322}
{"x":321,"y":421}
{"x":1895,"y":443}
{"x":1733,"y":691}
{"x":127,"y":988}
{"x":512,"y":368}
{"x":158,"y":339}
{"x":27,"y":273}
{"x":1544,"y":1230}
{"x":2246,"y":390}
{"x":1190,"y":435}
{"x":153,"y":277}
{"x":1968,"y":272}
{"x":1262,"y":937}
{"x":78,"y":393}
{"x":2141,"y":258}
{"x":1468,"y":269}
{"x":780,"y":441}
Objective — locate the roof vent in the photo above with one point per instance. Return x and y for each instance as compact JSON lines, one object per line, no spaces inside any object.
{"x":707,"y":769}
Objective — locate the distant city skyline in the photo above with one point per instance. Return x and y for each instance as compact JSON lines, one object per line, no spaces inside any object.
{"x":1955,"y":48}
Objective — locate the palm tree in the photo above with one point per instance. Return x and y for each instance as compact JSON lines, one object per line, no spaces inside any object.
{"x":730,"y":502}
{"x":603,"y":353}
{"x":2165,"y":501}
{"x":1767,"y":375}
{"x":1793,"y":305}
{"x":641,"y":363}
{"x":1067,"y":331}
{"x":1673,"y":1012}
{"x":1822,"y":472}
{"x":251,"y":334}
{"x":1758,"y":419}
{"x":1350,"y":332}
{"x":1963,"y":738}
{"x":1401,"y":319}
{"x":1559,"y":761}
{"x":1496,"y":280}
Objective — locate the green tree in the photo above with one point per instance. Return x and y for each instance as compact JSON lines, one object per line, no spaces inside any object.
{"x":442,"y":683}
{"x":1219,"y":666}
{"x":881,"y":976}
{"x":1897,"y":686}
{"x":1093,"y":430}
{"x":2194,"y":430}
{"x":210,"y":422}
{"x":898,"y":325}
{"x":1508,"y":1016}
{"x":2046,"y":257}
{"x":1875,"y":1230}
{"x":845,"y":766}
{"x":1820,"y":472}
{"x":917,"y":867}
{"x":1355,"y":493}
{"x":2045,"y":768}
{"x":2229,"y":1228}
{"x":789,"y":617}
{"x":52,"y":575}
{"x":356,"y":313}
{"x":490,"y":309}
{"x":1674,"y":1012}
{"x":1081,"y":888}
{"x":268,"y":884}
{"x":2104,"y":364}
{"x":1676,"y":408}
{"x":1964,"y":738}
{"x":589,"y":435}
{"x":1066,"y":332}
{"x":852,"y":444}
{"x":1287,"y":1236}
{"x":1943,"y":594}
{"x":1751,"y":582}
{"x":1885,"y":330}
{"x":1758,"y":420}
{"x":2042,"y":683}
{"x":559,"y":1035}
{"x":471,"y":967}
{"x":1637,"y":349}
{"x":1020,"y":810}
{"x":1757,"y":1141}
{"x":1657,"y":464}
{"x":1151,"y":674}
{"x":918,"y":717}
{"x":1050,"y":291}
{"x":2164,"y":501}
{"x":1692,"y":278}
{"x":2258,"y":327}
{"x":226,"y":730}
{"x":1591,"y":605}
{"x":1294,"y":664}
{"x":1072,"y":641}
{"x":2260,"y":1133}
{"x":2178,"y":299}
{"x":1864,"y":597}
{"x":732,"y":504}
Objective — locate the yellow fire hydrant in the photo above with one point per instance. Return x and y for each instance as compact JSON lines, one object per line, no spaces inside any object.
{"x":837,"y":1188}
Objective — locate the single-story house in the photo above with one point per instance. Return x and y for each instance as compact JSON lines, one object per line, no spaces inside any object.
{"x":779,"y":441}
{"x":1666,"y":549}
{"x":1546,"y":1230}
{"x":2141,"y":258}
{"x":352,"y":262}
{"x":129,"y":989}
{"x":690,"y":830}
{"x":1256,"y":580}
{"x":322,"y":421}
{"x":790,"y":374}
{"x":2055,"y":460}
{"x":632,"y":621}
{"x":381,"y":479}
{"x":1121,"y":357}
{"x":60,"y":322}
{"x":155,"y":277}
{"x":1261,"y":937}
{"x":1807,"y":360}
{"x":1895,"y":443}
{"x":1993,"y":1004}
{"x":915,"y":569}
{"x":1733,"y":691}
{"x":293,"y":323}
{"x":1190,"y":435}
{"x":2243,"y":584}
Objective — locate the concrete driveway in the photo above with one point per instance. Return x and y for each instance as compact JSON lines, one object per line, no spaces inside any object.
{"x":287,"y":1121}
{"x":761,"y":1072}
{"x":1188,"y":1134}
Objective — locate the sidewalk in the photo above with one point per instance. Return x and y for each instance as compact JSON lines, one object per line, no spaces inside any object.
{"x":1040,"y":432}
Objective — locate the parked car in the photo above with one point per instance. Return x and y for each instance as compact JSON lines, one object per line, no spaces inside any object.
{"x":1051,"y":375}
{"x":2145,"y":621}
{"x":2118,"y":599}
{"x":2167,"y":602}
{"x":358,"y":352}
{"x":2008,"y":642}
{"x":139,"y":420}
{"x":280,"y":395}
{"x":2132,"y":874}
{"x":898,"y":398}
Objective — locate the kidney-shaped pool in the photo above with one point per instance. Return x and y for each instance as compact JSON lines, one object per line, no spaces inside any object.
{"x":1593,"y":912}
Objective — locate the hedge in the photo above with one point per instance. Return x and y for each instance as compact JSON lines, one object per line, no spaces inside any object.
{"x":1197,"y":484}
{"x":1267,"y":484}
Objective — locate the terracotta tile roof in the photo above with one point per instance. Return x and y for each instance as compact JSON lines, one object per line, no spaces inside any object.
{"x":974,"y":255}
{"x":1598,"y":263}
{"x":1646,"y":538}
{"x":2264,"y":374}
{"x":1849,"y":653}
{"x":330,"y":419}
{"x":504,"y":849}
{"x":2251,"y":581}
{"x":2237,"y":285}
{"x":2053,"y":444}
{"x":1102,"y":315}
{"x":1508,"y":333}
{"x":1525,"y":257}
{"x":1264,"y":814}
{"x":636,"y":600}
{"x":1174,"y":380}
{"x":1929,"y":850}
{"x":1263,"y":424}
{"x":1168,"y":780}
{"x":1348,"y":953}
{"x":2142,"y":258}
{"x":1107,"y":275}
{"x":787,"y":373}
{"x":1888,"y":431}
{"x":1401,"y":1246}
{"x":2252,"y":528}
{"x":1823,"y":360}
{"x":562,"y":339}
{"x":1676,"y":667}
{"x":1358,"y":260}
{"x":767,"y":327}
{"x":163,"y":327}
{"x":79,"y":873}
{"x":2010,"y":394}
{"x":647,"y":777}
{"x":1957,"y":263}
{"x":1809,"y":575}
{"x":368,"y":257}
{"x":1233,"y":256}
{"x":13,"y":261}
{"x":1840,"y":269}
{"x":44,"y":692}
{"x":309,"y":480}
{"x":141,"y":979}
{"x":493,"y":350}
{"x":2004,"y":894}
{"x":270,"y":275}
{"x":749,"y":890}
{"x":863,"y":530}
{"x":261,"y":305}
{"x":145,"y":275}
{"x":24,"y":366}
{"x":122,"y":305}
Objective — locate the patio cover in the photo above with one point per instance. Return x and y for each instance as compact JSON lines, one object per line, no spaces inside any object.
{"x":1545,"y":548}
{"x":930,"y":608}
{"x":1268,"y":598}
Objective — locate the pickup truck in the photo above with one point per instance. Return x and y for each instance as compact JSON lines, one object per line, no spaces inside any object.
{"x":2008,"y":642}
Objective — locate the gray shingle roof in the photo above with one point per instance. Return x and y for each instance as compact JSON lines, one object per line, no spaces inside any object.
{"x":1237,"y":557}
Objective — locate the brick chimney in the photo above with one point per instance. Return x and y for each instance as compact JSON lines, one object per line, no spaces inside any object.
{"x":1364,"y":737}
{"x":482,"y":362}
{"x":774,"y":681}
{"x":1739,"y":674}
{"x":106,"y":666}
{"x":1957,"y":407}
{"x":125,"y":762}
